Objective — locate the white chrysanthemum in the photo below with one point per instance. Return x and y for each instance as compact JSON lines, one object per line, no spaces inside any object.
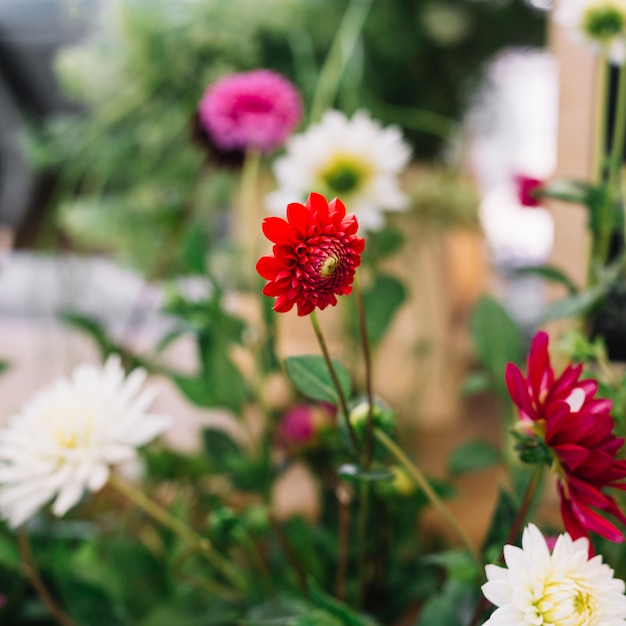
{"x":64,"y":440}
{"x":356,"y":160}
{"x":564,"y":588}
{"x":601,"y":23}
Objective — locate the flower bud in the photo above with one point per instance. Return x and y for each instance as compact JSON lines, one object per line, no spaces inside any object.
{"x":382,"y":415}
{"x":302,"y":425}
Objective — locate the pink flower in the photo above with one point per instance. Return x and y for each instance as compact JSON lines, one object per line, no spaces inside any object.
{"x":257,"y":109}
{"x":526,"y":190}
{"x":564,"y":414}
{"x":302,"y":424}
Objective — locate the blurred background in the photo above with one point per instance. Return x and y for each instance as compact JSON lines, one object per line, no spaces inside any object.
{"x":99,"y":156}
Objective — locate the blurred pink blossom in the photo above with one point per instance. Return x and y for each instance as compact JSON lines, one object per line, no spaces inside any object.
{"x":257,"y":109}
{"x":526,"y":188}
{"x":303,"y":423}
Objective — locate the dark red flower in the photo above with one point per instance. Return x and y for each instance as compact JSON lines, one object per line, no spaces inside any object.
{"x":526,"y":190}
{"x":315,"y":254}
{"x":577,"y":428}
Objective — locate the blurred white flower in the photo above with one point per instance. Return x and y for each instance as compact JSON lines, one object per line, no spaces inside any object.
{"x":601,"y":23}
{"x":64,"y":440}
{"x":565,"y":588}
{"x":356,"y":160}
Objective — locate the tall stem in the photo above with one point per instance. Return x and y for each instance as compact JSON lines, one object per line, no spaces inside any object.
{"x":333,"y":374}
{"x":246,"y":228}
{"x":520,"y":518}
{"x":362,"y":541}
{"x":369,"y":431}
{"x":165,"y":518}
{"x":599,"y":122}
{"x":339,"y":54}
{"x":31,"y":572}
{"x":429,"y":492}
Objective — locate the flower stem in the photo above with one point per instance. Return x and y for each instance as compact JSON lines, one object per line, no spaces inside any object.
{"x":362,"y":542}
{"x":518,"y":522}
{"x":335,"y":379}
{"x":247,"y":216}
{"x":369,"y":431}
{"x":600,"y":115}
{"x":343,"y":500}
{"x":31,"y":572}
{"x":179,"y":528}
{"x":339,"y":54}
{"x":424,"y":485}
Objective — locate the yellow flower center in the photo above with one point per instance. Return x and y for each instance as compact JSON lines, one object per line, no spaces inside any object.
{"x":344,"y":173}
{"x":329,"y":266}
{"x":562,"y":603}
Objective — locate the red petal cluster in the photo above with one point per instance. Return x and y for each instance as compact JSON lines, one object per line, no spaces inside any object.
{"x":526,"y":188}
{"x":315,"y":254}
{"x":578,"y":428}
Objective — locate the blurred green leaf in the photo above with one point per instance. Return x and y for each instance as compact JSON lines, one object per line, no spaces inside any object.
{"x":9,"y":554}
{"x":551,"y":273}
{"x":579,"y":303}
{"x":195,"y":246}
{"x":311,"y":377}
{"x":497,"y":338}
{"x":443,"y":608}
{"x":382,"y":300}
{"x":219,"y":447}
{"x":347,"y":615}
{"x":501,"y":522}
{"x":196,"y":390}
{"x":476,"y":382}
{"x":459,"y":564}
{"x":93,"y":328}
{"x":472,"y":456}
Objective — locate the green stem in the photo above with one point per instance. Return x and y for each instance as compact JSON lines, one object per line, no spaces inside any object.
{"x":362,"y":542}
{"x":343,"y":501}
{"x":247,"y":219}
{"x":179,"y":528}
{"x":369,"y":431}
{"x":254,"y":554}
{"x":429,"y":492}
{"x":333,"y":374}
{"x":520,"y":518}
{"x":599,"y":124}
{"x":30,"y":571}
{"x":339,"y":54}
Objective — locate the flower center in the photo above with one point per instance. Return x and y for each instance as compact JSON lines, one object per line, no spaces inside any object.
{"x":344,"y":173}
{"x":602,"y":22}
{"x":329,"y":266}
{"x":565,"y":602}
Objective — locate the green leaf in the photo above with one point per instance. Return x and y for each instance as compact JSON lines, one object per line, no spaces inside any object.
{"x":576,"y":304}
{"x":311,"y":377}
{"x":566,"y":190}
{"x":196,"y":390}
{"x":459,"y":564}
{"x":497,"y":338}
{"x":348,"y":616}
{"x":443,"y":609}
{"x":476,"y":382}
{"x":472,"y":456}
{"x":194,"y":249}
{"x":9,"y":554}
{"x":551,"y":273}
{"x":219,"y":447}
{"x":4,"y":366}
{"x":382,"y":300}
{"x":501,"y":522}
{"x":354,"y":472}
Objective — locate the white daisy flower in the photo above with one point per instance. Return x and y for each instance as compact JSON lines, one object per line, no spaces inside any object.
{"x":64,"y":440}
{"x":565,"y":588}
{"x":600,"y":23}
{"x":356,"y":160}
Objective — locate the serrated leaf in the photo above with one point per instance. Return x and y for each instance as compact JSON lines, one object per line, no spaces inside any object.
{"x":311,"y":377}
{"x":551,"y":273}
{"x":354,"y":472}
{"x":473,"y":456}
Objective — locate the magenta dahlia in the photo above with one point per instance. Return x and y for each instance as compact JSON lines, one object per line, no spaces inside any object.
{"x":527,"y":188}
{"x":562,"y":413}
{"x":257,"y":109}
{"x":316,"y":252}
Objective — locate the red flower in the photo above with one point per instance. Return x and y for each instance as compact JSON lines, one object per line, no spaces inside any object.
{"x":526,"y":188}
{"x":577,"y":428}
{"x":315,"y":254}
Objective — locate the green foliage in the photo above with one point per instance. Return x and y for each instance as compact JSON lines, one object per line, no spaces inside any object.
{"x":473,"y":456}
{"x":497,"y":339}
{"x":310,"y":375}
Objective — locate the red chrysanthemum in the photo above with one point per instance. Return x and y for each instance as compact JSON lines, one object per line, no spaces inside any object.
{"x":315,"y":254}
{"x":578,"y":429}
